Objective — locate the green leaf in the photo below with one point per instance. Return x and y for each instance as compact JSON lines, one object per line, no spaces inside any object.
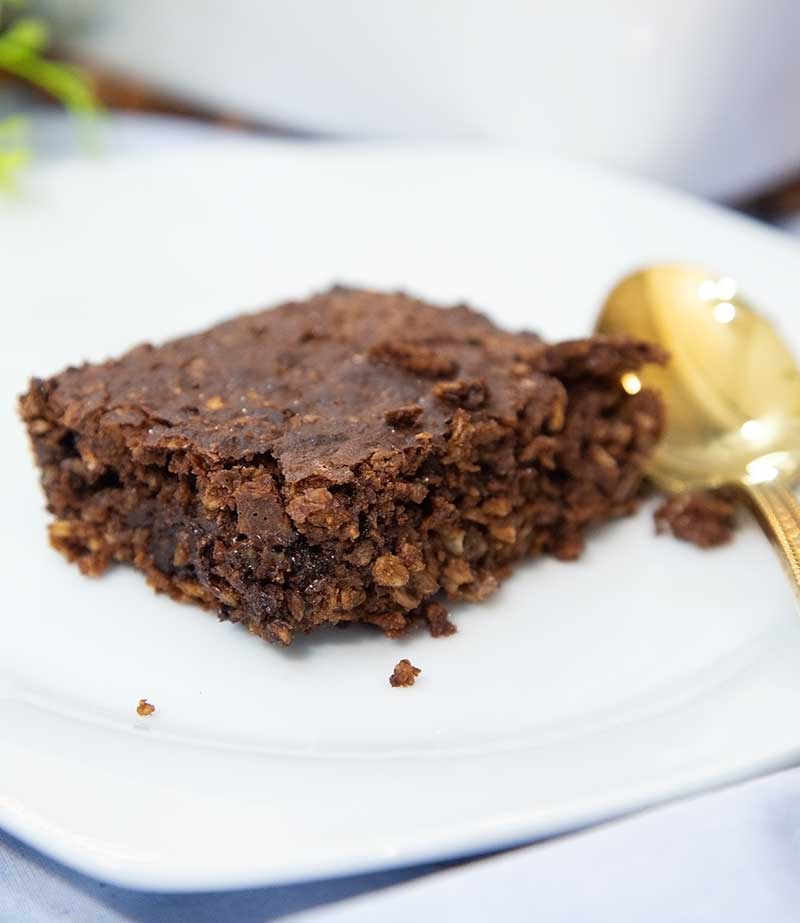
{"x":22,"y":40}
{"x":14,"y":152}
{"x":22,"y":44}
{"x":29,"y":32}
{"x":11,"y":164}
{"x":62,"y":81}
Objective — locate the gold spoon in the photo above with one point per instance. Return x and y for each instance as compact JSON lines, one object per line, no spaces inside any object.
{"x":731,"y":388}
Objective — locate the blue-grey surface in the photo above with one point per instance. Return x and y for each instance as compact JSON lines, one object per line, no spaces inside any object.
{"x":33,"y":889}
{"x":55,"y":136}
{"x":732,"y":856}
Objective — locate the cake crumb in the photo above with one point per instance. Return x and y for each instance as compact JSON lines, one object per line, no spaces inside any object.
{"x":389,"y":570}
{"x":703,"y":518}
{"x":405,"y":674}
{"x":437,"y":620}
{"x":469,"y":393}
{"x":406,"y":415}
{"x":144,"y":708}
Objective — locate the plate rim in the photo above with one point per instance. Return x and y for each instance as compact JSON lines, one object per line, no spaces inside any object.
{"x":57,"y":843}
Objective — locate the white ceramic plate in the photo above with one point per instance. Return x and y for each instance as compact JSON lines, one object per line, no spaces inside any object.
{"x":644,"y":671}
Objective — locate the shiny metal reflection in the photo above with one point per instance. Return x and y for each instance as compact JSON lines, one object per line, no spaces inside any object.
{"x":732,"y":391}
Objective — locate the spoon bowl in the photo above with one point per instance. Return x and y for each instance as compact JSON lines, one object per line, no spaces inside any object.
{"x":732,"y":387}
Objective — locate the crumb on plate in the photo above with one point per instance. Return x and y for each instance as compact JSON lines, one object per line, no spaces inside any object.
{"x":144,"y":708}
{"x":405,"y":674}
{"x":703,"y":518}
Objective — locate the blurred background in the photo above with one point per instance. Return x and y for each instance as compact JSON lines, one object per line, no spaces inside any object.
{"x":703,"y":95}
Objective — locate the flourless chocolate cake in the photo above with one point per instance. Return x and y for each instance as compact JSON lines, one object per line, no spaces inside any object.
{"x":354,"y":457}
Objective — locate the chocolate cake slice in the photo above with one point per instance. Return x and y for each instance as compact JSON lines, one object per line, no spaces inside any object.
{"x":355,"y":457}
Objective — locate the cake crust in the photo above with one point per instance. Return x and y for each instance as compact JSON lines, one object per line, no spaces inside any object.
{"x":355,"y":457}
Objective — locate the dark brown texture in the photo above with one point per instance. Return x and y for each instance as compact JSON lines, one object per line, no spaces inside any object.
{"x":703,"y":518}
{"x":405,"y":674}
{"x":436,"y":618}
{"x":342,"y":459}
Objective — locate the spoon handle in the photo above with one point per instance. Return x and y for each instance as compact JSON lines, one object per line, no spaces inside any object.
{"x":779,"y":514}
